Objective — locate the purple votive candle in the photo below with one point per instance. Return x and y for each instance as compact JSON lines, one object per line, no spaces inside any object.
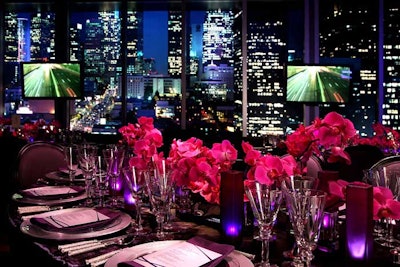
{"x":359,"y":222}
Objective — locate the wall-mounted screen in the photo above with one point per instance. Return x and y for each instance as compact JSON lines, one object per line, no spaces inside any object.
{"x":52,"y":80}
{"x":318,"y":83}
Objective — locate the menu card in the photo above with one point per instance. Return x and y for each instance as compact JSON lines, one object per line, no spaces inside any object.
{"x":50,"y":190}
{"x":195,"y":252}
{"x":76,"y":219}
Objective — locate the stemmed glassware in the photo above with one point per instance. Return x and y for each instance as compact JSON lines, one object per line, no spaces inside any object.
{"x":136,"y":183}
{"x":114,"y":158}
{"x":297,"y":183}
{"x":87,"y":156}
{"x":159,"y":184}
{"x":71,"y":158}
{"x":390,"y":179}
{"x":265,"y":203}
{"x":306,"y":209}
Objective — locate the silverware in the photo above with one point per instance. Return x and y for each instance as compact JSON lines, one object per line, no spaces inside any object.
{"x":99,"y":260}
{"x":83,"y":247}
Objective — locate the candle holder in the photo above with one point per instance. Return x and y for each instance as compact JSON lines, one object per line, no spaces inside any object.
{"x":359,"y":223}
{"x":232,"y":206}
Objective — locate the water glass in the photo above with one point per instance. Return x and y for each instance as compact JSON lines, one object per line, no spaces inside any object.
{"x":159,"y":184}
{"x":100,"y":179}
{"x":87,"y":155}
{"x":71,"y":159}
{"x":306,"y":210}
{"x":136,"y":183}
{"x":114,"y":158}
{"x":265,"y":203}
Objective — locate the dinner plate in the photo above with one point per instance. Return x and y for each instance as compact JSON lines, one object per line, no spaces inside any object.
{"x":61,"y":176}
{"x":20,"y":198}
{"x":118,"y":224}
{"x":234,"y":259}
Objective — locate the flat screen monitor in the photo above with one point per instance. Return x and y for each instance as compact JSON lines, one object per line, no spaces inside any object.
{"x":318,"y":84}
{"x":45,"y":80}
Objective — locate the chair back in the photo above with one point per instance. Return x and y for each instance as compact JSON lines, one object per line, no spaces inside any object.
{"x":313,"y":166}
{"x":363,"y":157}
{"x":35,"y":160}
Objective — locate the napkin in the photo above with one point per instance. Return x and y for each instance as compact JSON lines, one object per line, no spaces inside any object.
{"x":52,"y":194}
{"x":223,"y":249}
{"x":104,"y":217}
{"x":64,"y":173}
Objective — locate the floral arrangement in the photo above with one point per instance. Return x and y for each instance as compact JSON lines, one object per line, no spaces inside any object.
{"x":192,"y":164}
{"x":198,"y":167}
{"x":39,"y":130}
{"x":326,"y":138}
{"x":267,"y":169}
{"x":385,"y":138}
{"x":144,"y":140}
{"x":384,"y":204}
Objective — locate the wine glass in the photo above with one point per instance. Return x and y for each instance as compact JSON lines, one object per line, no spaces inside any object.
{"x":136,"y":183}
{"x":159,"y":184}
{"x":389,"y":178}
{"x":114,"y":157}
{"x":297,"y":183}
{"x":71,"y":158}
{"x":87,"y":155}
{"x":100,"y":178}
{"x":265,"y":203}
{"x":306,"y":209}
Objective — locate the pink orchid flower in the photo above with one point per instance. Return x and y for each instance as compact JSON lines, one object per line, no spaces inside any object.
{"x":384,"y":206}
{"x":224,"y":153}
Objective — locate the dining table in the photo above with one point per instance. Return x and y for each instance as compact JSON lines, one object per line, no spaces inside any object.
{"x":35,"y":242}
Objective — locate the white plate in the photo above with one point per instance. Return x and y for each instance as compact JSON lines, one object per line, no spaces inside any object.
{"x":234,"y":259}
{"x":120,"y":223}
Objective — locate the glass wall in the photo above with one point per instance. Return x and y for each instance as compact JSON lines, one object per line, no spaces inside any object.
{"x":182,"y":65}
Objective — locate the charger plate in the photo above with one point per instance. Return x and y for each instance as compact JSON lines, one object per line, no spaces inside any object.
{"x":120,"y":223}
{"x":20,"y":198}
{"x":234,"y":259}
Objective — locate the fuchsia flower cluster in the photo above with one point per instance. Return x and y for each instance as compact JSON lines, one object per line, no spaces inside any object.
{"x":384,"y":204}
{"x":385,"y":138}
{"x":326,"y":138}
{"x":267,"y":169}
{"x":198,"y":167}
{"x":144,"y":139}
{"x":191,"y":164}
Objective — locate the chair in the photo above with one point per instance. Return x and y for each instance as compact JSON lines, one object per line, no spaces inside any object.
{"x":36,"y":159}
{"x":363,"y":157}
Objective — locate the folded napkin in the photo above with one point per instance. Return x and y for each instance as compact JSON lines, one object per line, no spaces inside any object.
{"x":77,"y":221}
{"x":223,"y":249}
{"x":52,"y":192}
{"x":64,"y":173}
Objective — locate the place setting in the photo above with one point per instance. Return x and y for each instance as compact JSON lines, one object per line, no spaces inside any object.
{"x":194,"y":252}
{"x":62,"y":175}
{"x":50,"y":195}
{"x":75,"y":223}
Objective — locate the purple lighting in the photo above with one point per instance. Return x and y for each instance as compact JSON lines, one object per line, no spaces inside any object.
{"x":356,"y":246}
{"x":232,"y":230}
{"x":359,"y":222}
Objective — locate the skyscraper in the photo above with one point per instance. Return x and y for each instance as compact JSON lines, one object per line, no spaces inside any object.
{"x":266,"y":55}
{"x":174,"y":43}
{"x":390,"y":67}
{"x":349,"y":31}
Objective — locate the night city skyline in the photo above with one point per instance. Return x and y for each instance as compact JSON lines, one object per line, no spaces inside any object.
{"x":266,"y":107}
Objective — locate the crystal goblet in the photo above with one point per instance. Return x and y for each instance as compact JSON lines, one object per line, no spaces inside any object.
{"x":136,"y":182}
{"x":265,"y":203}
{"x":306,"y":209}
